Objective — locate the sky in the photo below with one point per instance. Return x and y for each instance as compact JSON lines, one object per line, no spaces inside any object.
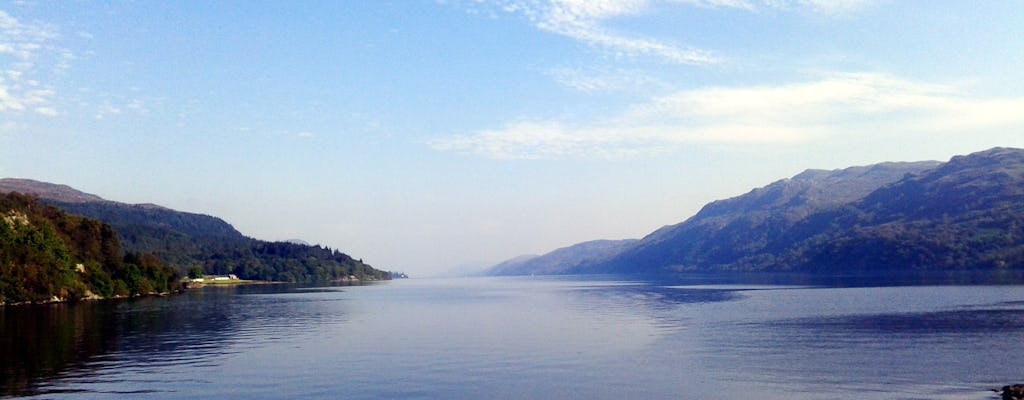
{"x":440,"y":135}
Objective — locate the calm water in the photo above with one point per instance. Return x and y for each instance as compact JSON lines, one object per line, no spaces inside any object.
{"x":526,"y":338}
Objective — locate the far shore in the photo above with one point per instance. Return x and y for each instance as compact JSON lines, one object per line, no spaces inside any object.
{"x":230,"y":282}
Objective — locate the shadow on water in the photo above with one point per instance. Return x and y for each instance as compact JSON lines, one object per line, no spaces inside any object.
{"x":664,"y":292}
{"x":1004,"y":317}
{"x":659,"y":295}
{"x":41,"y":342}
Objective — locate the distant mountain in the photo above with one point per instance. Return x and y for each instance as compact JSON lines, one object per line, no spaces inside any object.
{"x":184,"y":239}
{"x":511,"y":266}
{"x":967,"y":213}
{"x":562,"y":260}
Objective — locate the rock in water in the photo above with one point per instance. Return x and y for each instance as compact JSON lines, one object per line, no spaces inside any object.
{"x":1013,"y":392}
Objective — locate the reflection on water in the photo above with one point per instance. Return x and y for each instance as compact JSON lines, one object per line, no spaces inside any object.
{"x":701,"y":337}
{"x":77,"y":342}
{"x":41,"y":342}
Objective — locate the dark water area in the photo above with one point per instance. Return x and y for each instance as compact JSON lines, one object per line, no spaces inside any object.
{"x":599,"y":337}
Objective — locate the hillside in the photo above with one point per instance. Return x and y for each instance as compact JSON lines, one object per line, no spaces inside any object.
{"x":562,"y":260}
{"x":184,"y":240}
{"x":959,"y":214}
{"x":967,"y":213}
{"x":49,"y":255}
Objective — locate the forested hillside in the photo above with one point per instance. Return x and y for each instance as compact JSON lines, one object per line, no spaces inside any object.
{"x":47,"y":254}
{"x":185,"y":240}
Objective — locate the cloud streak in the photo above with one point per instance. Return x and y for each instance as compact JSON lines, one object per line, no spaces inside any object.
{"x":582,"y":21}
{"x":795,"y":113}
{"x":585,"y":21}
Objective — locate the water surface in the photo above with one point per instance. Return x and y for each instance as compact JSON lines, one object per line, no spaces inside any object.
{"x":530,"y":338}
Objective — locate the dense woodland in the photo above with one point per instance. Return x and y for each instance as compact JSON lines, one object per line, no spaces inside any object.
{"x":186,"y":240}
{"x":46,"y":253}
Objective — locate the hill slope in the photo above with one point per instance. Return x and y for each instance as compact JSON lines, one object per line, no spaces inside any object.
{"x":562,"y":260}
{"x":47,"y":254}
{"x":185,"y":239}
{"x":966,"y":213}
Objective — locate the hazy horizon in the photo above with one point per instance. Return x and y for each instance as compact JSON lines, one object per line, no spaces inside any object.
{"x":426,"y":136}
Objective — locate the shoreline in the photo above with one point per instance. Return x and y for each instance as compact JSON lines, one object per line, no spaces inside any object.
{"x":234,"y":282}
{"x":185,"y":286}
{"x":58,"y":300}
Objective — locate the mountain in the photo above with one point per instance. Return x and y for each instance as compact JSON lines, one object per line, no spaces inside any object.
{"x":562,"y":260}
{"x":184,"y":240}
{"x":967,"y":213}
{"x":725,"y":231}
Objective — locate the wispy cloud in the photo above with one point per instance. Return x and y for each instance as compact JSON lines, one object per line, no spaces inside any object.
{"x":825,"y":7}
{"x":582,"y":20}
{"x":586,"y":22}
{"x":27,"y":49}
{"x":795,"y":113}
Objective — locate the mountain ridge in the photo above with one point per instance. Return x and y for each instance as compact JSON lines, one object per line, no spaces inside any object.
{"x":52,"y":191}
{"x":965,"y":213}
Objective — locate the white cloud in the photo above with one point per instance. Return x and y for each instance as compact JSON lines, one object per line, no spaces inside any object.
{"x":46,"y":111}
{"x":797,"y":113}
{"x":27,"y":49}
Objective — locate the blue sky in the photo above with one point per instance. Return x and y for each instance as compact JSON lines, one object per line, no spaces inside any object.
{"x":428,"y":135}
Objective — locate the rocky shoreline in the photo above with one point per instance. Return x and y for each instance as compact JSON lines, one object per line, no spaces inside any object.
{"x":89,"y":297}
